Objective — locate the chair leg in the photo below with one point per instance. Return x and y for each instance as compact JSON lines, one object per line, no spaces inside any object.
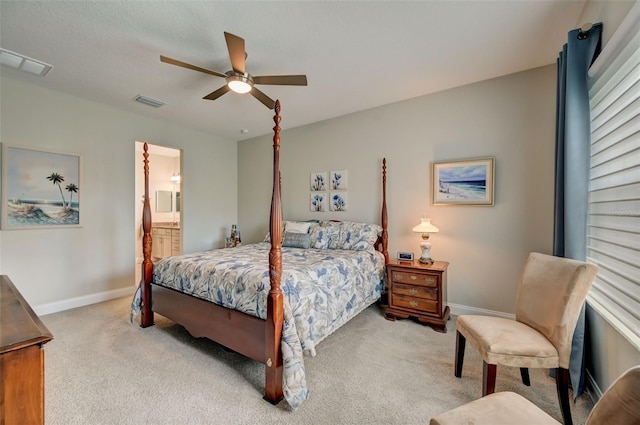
{"x":460,"y":344}
{"x":562,"y":385}
{"x":524,"y":372}
{"x":488,"y":378}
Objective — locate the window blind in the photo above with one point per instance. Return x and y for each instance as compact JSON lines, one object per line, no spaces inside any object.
{"x":613,"y":226}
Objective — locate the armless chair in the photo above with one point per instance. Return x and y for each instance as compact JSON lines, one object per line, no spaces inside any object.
{"x":550,"y":295}
{"x":619,"y":405}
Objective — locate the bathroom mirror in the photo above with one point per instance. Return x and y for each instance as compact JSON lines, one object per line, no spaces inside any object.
{"x":164,"y":200}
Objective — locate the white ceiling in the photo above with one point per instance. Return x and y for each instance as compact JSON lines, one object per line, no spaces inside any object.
{"x":356,"y":55}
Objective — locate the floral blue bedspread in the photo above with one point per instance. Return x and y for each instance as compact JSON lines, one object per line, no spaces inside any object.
{"x":323,"y":289}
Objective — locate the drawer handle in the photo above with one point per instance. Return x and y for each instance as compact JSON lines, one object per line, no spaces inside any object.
{"x":397,"y":276}
{"x":413,"y":303}
{"x":413,"y":291}
{"x":413,"y":277}
{"x":429,"y":280}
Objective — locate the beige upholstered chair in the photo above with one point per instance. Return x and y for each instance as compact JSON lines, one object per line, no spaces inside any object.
{"x":550,"y":295}
{"x":619,"y":405}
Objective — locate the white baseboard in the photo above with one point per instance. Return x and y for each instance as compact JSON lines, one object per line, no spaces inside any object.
{"x":458,"y":309}
{"x":594,"y":391}
{"x":57,"y":306}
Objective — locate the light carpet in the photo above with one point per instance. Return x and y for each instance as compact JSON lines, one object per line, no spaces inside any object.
{"x":101,"y":369}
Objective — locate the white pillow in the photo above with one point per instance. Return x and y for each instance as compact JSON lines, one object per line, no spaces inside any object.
{"x":296,"y":227}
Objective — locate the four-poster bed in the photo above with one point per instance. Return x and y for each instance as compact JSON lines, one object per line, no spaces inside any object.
{"x":275,"y":322}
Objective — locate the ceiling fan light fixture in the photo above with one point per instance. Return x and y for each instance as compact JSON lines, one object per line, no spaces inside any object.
{"x":240,"y":83}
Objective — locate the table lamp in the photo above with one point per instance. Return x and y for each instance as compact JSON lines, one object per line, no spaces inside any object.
{"x":425,"y":227}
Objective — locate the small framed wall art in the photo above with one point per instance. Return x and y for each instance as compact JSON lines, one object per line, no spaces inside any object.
{"x":339,"y":180}
{"x":318,"y":201}
{"x":318,"y":182}
{"x":338,"y":201}
{"x":463,"y":182}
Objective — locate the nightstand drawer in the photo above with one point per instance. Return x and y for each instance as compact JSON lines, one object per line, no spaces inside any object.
{"x":416,"y":291}
{"x":423,"y":279}
{"x":414,"y":303}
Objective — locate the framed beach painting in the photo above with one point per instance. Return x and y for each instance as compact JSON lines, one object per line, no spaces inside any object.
{"x":464,"y":182}
{"x":40,"y":188}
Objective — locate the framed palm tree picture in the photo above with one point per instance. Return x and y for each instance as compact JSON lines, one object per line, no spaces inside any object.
{"x":40,"y":188}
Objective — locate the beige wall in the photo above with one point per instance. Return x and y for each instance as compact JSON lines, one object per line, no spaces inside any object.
{"x":609,"y":354}
{"x":511,"y":118}
{"x":62,"y":268}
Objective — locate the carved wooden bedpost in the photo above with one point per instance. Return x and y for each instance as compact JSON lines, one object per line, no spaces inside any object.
{"x":147,"y":266}
{"x":384,"y":219}
{"x":275,"y":306}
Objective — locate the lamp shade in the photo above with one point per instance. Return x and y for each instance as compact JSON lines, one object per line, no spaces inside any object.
{"x":425,"y":226}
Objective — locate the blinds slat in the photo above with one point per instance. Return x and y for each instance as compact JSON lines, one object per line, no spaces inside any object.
{"x":622,"y":177}
{"x":621,"y":156}
{"x":615,"y":259}
{"x":616,"y":292}
{"x":603,"y":294}
{"x":612,"y":194}
{"x":615,"y":236}
{"x":625,"y":93}
{"x":622,"y":223}
{"x":617,"y":127}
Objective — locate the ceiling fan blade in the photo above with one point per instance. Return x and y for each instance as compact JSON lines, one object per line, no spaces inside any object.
{"x":216,"y":94}
{"x":189,"y":66}
{"x":237,"y":53}
{"x":266,"y":100}
{"x":285,"y":80}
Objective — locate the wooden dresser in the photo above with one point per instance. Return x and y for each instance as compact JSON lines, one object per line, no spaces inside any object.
{"x":22,"y":335}
{"x":418,"y":290}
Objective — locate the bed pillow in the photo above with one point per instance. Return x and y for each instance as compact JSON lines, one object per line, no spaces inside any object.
{"x":296,"y":240}
{"x":319,"y":236}
{"x":296,"y":226}
{"x":351,"y":235}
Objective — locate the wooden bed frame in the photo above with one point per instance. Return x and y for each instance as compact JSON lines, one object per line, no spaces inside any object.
{"x":251,"y":336}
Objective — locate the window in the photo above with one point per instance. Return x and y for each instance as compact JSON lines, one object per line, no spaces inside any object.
{"x":613,"y":227}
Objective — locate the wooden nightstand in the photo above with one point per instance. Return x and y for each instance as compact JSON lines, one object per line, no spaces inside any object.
{"x":420,"y":291}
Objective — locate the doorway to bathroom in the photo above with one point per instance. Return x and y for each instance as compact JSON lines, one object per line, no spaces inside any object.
{"x":167,"y":204}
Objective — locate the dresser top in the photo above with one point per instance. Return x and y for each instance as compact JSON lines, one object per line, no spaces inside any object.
{"x":19,"y":325}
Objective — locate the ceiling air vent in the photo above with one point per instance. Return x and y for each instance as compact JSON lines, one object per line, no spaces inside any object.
{"x":148,"y":101}
{"x":24,"y":63}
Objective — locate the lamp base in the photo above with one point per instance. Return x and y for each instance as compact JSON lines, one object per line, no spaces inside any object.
{"x":425,"y":258}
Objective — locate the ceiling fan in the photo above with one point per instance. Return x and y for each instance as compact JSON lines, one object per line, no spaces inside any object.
{"x":238,"y":80}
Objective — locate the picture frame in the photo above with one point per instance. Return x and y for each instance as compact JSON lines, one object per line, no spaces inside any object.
{"x":318,"y":182}
{"x":318,"y":201}
{"x":339,"y":180}
{"x":338,"y":201}
{"x":41,"y":188}
{"x":463,"y":182}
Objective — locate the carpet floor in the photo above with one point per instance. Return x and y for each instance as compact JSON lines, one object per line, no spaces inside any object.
{"x":102,"y":369}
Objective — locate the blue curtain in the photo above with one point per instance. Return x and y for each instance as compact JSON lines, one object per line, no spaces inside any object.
{"x":573,"y":142}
